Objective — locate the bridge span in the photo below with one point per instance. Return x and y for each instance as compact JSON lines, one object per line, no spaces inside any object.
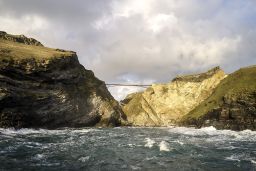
{"x":127,"y":85}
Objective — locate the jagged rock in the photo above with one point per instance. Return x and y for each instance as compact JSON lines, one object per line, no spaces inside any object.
{"x":19,"y":38}
{"x":48,"y":88}
{"x":231,"y":106}
{"x":165,"y":104}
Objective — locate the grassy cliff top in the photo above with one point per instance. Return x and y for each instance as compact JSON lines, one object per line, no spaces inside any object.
{"x":18,"y":50}
{"x":236,"y":84}
{"x":198,"y":77}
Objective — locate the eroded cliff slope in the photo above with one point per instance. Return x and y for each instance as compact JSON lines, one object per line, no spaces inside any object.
{"x":48,"y":88}
{"x":165,"y":104}
{"x":231,"y":106}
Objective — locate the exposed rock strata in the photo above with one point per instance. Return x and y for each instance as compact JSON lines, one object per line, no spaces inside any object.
{"x":231,"y":106}
{"x":165,"y":104}
{"x":48,"y":88}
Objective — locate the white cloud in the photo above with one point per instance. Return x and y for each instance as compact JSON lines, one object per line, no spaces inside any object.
{"x":141,"y":41}
{"x":26,"y":24}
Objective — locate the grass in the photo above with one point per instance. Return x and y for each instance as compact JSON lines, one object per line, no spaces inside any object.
{"x":20,"y":51}
{"x":236,"y":84}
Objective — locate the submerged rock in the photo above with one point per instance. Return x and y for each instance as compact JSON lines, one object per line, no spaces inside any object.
{"x":49,"y":88}
{"x":166,"y":104}
{"x":231,"y":106}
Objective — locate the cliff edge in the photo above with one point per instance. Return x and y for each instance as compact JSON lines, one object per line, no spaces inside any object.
{"x":166,"y":104}
{"x":231,"y":106}
{"x":42,"y":87}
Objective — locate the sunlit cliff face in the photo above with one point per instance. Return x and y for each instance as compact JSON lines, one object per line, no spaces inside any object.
{"x":142,"y":41}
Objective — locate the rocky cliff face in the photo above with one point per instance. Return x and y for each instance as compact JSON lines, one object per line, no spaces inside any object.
{"x":231,"y":106}
{"x":48,"y":88}
{"x":165,"y":104}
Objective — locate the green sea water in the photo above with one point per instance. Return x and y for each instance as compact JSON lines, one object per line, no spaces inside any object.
{"x":107,"y":149}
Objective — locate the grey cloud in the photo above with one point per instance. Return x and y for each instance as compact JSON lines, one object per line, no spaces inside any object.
{"x":141,"y":41}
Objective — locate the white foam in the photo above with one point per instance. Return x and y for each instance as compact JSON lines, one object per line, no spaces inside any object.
{"x":246,"y":135}
{"x":26,"y":131}
{"x":39,"y":157}
{"x":253,"y":162}
{"x":83,"y":130}
{"x":84,"y":159}
{"x":233,"y":158}
{"x":149,"y":143}
{"x":164,"y":146}
{"x":135,"y":167}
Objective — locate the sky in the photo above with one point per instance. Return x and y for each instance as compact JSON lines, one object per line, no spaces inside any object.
{"x":140,"y":41}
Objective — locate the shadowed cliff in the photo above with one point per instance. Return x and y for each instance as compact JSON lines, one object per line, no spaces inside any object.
{"x":49,"y":88}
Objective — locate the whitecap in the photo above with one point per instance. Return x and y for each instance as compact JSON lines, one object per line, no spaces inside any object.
{"x":164,"y":146}
{"x":135,"y":167}
{"x":228,"y":147}
{"x":149,"y":143}
{"x":132,"y":145}
{"x":84,"y":130}
{"x":27,"y":131}
{"x":246,"y":135}
{"x":84,"y":159}
{"x":193,"y":131}
{"x":39,"y":157}
{"x":233,"y":158}
{"x":253,"y":162}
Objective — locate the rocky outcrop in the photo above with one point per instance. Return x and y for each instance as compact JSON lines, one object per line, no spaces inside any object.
{"x":48,"y":88}
{"x":19,"y":38}
{"x":231,"y":106}
{"x":165,"y":104}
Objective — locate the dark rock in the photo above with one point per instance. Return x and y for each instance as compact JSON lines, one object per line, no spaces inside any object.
{"x":47,"y":88}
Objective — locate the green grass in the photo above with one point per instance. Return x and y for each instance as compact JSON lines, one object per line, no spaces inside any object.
{"x":20,"y":51}
{"x":236,"y":84}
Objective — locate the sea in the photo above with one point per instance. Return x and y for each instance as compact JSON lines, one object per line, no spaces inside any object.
{"x":127,"y":148}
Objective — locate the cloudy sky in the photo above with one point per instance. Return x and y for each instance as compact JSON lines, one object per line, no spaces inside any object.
{"x":140,"y":41}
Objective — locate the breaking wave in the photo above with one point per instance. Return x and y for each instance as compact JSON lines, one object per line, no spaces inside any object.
{"x":173,"y":148}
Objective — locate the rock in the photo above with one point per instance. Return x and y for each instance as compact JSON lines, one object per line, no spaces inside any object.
{"x":231,"y":106}
{"x":165,"y":104}
{"x":20,"y":39}
{"x":48,"y":88}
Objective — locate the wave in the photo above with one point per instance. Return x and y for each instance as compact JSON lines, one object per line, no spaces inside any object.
{"x":164,"y":146}
{"x":149,"y":143}
{"x":246,"y":135}
{"x":28,"y":131}
{"x":233,"y":158}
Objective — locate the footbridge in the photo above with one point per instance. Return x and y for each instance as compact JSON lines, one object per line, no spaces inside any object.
{"x":127,"y":85}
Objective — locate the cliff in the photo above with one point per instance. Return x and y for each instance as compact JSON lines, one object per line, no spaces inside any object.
{"x":166,"y":104}
{"x":42,"y":87}
{"x":231,"y":106}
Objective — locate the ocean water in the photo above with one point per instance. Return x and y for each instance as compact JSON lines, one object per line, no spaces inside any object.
{"x":119,"y":149}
